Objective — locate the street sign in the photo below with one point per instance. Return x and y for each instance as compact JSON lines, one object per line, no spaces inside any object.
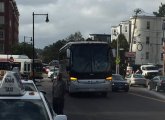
{"x":130,"y":54}
{"x":11,"y":60}
{"x":117,"y":60}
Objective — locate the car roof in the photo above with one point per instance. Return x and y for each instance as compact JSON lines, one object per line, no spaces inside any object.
{"x":27,"y":95}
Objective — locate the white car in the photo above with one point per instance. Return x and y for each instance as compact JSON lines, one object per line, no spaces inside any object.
{"x":51,"y":71}
{"x":29,"y":85}
{"x":18,"y":104}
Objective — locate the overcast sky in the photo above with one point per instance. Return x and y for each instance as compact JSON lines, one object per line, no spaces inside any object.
{"x":69,"y":16}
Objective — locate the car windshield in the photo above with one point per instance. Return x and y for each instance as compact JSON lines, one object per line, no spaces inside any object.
{"x":138,"y":76}
{"x":162,"y":78}
{"x":117,"y":77}
{"x":94,"y":61}
{"x":16,"y":109}
{"x":151,"y":68}
{"x":54,"y":69}
{"x":29,"y":87}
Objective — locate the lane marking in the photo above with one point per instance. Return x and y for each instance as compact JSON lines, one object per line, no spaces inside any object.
{"x":148,"y":97}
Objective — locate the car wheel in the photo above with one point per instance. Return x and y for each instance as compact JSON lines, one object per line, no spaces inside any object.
{"x":149,"y":87}
{"x":157,"y":88}
{"x":126,"y":90}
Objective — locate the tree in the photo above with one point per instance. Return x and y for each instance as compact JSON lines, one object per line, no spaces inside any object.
{"x":161,"y":11}
{"x":122,"y":43}
{"x":23,"y":49}
{"x":75,"y":37}
{"x":51,"y":52}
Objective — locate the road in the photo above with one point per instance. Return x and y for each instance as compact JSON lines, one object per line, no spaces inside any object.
{"x":137,"y":104}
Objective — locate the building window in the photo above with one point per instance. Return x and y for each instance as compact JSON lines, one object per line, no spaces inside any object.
{"x":147,"y":55}
{"x":148,"y":24}
{"x":161,"y":56}
{"x":1,"y":47}
{"x":2,"y":7}
{"x":2,"y":20}
{"x":163,"y":25}
{"x":147,"y":40}
{"x":125,"y":28}
{"x":162,"y":41}
{"x":1,"y":34}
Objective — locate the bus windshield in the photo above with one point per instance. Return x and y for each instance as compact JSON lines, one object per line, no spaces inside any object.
{"x":90,"y":58}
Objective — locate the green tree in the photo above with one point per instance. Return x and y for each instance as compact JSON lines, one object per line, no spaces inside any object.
{"x":161,"y":11}
{"x":51,"y":52}
{"x":23,"y":49}
{"x":123,"y":47}
{"x":77,"y":36}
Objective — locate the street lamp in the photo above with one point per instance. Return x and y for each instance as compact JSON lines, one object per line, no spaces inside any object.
{"x":47,"y":20}
{"x":117,"y":53}
{"x":163,"y":28}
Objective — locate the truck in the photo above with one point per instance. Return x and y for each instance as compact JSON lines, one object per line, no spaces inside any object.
{"x":149,"y":71}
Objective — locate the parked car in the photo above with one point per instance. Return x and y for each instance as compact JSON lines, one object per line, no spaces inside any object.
{"x":157,"y":83}
{"x":119,"y":83}
{"x":136,"y":79}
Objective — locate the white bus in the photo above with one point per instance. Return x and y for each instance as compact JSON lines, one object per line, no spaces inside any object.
{"x":23,"y":62}
{"x":86,"y":66}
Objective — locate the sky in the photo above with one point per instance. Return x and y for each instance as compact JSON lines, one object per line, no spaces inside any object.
{"x":69,"y":16}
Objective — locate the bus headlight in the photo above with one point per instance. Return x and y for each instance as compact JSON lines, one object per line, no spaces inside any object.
{"x":109,"y":78}
{"x":73,"y":78}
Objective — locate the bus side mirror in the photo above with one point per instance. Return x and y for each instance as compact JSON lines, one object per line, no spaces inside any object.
{"x":68,"y":53}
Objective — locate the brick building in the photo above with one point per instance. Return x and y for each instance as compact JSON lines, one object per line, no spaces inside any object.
{"x":9,"y":25}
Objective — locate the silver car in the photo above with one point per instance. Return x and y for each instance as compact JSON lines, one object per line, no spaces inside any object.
{"x":157,"y":83}
{"x":136,"y":79}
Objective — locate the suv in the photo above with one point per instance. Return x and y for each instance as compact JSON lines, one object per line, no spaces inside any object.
{"x":149,"y":71}
{"x":18,"y":104}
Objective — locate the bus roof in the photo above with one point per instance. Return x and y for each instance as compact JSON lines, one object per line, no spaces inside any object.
{"x":14,"y":56}
{"x":83,"y":42}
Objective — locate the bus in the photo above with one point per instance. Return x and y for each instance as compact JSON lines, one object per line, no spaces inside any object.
{"x":86,"y":66}
{"x":24,"y":63}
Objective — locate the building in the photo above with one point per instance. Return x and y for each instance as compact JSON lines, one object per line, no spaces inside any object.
{"x":145,"y":35}
{"x":9,"y":25}
{"x":101,"y":37}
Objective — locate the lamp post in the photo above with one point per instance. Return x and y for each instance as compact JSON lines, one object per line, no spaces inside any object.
{"x":163,"y":28}
{"x":117,"y":53}
{"x":47,"y":20}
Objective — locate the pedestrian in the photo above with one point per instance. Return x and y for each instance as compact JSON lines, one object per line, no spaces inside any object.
{"x":58,"y":93}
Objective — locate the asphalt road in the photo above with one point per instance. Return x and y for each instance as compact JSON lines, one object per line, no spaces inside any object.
{"x":137,"y":104}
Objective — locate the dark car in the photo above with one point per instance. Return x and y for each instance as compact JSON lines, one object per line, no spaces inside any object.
{"x":157,"y":83}
{"x":119,"y":83}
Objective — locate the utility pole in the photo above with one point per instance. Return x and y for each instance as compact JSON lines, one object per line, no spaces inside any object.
{"x":137,"y":11}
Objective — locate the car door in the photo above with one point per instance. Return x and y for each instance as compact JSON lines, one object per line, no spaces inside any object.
{"x":155,"y":81}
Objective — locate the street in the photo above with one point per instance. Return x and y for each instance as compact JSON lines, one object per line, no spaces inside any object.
{"x":137,"y":104}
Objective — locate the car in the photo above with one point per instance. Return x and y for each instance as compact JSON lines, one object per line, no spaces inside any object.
{"x":157,"y":83}
{"x":119,"y":83}
{"x":18,"y":104}
{"x":29,"y":85}
{"x":52,"y":70}
{"x":136,"y":79}
{"x":54,"y":75}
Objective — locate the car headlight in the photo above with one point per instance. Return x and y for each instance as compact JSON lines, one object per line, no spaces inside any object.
{"x":126,"y":84}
